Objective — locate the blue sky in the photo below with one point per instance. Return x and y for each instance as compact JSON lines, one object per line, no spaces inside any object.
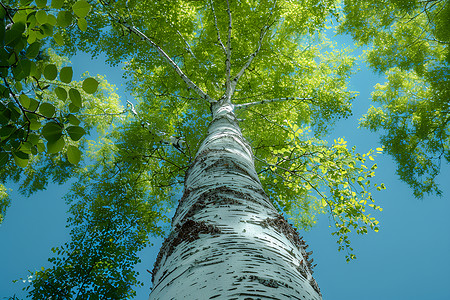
{"x":408,"y":259}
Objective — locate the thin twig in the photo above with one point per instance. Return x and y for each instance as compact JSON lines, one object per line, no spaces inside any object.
{"x":245,"y":105}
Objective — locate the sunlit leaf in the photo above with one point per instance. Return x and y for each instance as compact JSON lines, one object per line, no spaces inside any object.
{"x":73,"y":120}
{"x":82,"y":24}
{"x":81,"y":8}
{"x":41,"y":16}
{"x":20,"y":159}
{"x":24,"y":100}
{"x":41,"y":3}
{"x":73,"y":154}
{"x":57,"y":4}
{"x":58,"y":39}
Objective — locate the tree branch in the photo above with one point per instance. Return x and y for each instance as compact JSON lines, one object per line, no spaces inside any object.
{"x":177,"y":69}
{"x":217,"y":29}
{"x":7,"y":12}
{"x":229,"y":87}
{"x":245,"y":105}
{"x":262,"y":34}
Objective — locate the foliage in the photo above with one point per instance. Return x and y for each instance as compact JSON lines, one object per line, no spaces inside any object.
{"x":270,"y":58}
{"x":39,"y":113}
{"x":111,"y":219}
{"x":306,"y":177}
{"x":292,"y":61}
{"x":409,"y":42}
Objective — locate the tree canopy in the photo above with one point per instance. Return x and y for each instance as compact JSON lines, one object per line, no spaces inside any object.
{"x":409,"y":43}
{"x":286,"y":79}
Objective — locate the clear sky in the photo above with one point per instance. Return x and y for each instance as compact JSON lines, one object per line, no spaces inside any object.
{"x":409,"y":258}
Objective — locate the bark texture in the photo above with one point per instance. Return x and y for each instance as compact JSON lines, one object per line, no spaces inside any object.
{"x":227,"y":240}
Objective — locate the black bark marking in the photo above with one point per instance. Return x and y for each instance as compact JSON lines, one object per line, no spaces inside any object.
{"x":315,"y":286}
{"x":189,"y":231}
{"x":221,"y":196}
{"x":267,"y":282}
{"x":291,"y":234}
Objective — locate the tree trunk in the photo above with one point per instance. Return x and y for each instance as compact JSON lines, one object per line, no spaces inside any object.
{"x":227,"y":239}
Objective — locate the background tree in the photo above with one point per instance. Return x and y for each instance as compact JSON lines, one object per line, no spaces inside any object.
{"x":39,"y":112}
{"x":409,"y":43}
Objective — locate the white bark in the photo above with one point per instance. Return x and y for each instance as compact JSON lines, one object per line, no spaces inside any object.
{"x":227,"y":240}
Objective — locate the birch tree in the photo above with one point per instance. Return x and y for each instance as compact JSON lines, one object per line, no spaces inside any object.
{"x":205,"y":75}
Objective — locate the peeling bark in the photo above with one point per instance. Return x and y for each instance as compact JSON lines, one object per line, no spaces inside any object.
{"x":227,"y":240}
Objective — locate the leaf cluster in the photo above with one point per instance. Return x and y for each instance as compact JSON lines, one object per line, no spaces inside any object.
{"x":305,"y":177}
{"x":288,"y":77}
{"x":39,"y":110}
{"x":408,"y":42}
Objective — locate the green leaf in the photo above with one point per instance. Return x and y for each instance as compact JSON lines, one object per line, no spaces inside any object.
{"x":2,"y":13}
{"x":35,"y":71}
{"x":47,"y":29}
{"x":31,"y":37}
{"x":75,"y":132}
{"x":41,"y":3}
{"x":26,"y":147}
{"x":65,"y":75}
{"x":90,"y":85}
{"x":51,"y":19}
{"x":52,"y":131}
{"x":61,"y":93}
{"x":73,"y":120}
{"x":40,"y":33}
{"x":5,"y":116}
{"x":33,"y":139}
{"x":56,"y":146}
{"x":41,"y":16}
{"x":31,"y":20}
{"x":75,"y":97}
{"x":20,"y":160}
{"x":82,"y":24}
{"x":4,"y":158}
{"x":58,"y":39}
{"x":22,"y":69}
{"x":24,"y":100}
{"x":33,"y":50}
{"x":64,"y":18}
{"x":57,"y":4}
{"x":47,"y":109}
{"x":73,"y":108}
{"x":20,"y":17}
{"x":73,"y":154}
{"x":40,"y":146}
{"x":14,"y":35}
{"x":50,"y":72}
{"x":33,"y":104}
{"x":81,"y":8}
{"x":35,"y":124}
{"x":7,"y":130}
